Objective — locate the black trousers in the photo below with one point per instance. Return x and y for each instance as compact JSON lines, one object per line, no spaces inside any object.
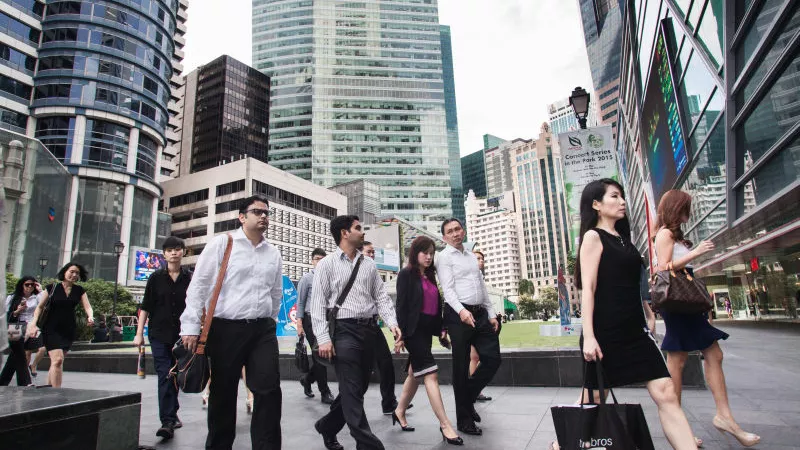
{"x":233,"y":344}
{"x":317,"y":372}
{"x":15,"y":363}
{"x":486,"y":342}
{"x":383,"y":361}
{"x":355,"y":348}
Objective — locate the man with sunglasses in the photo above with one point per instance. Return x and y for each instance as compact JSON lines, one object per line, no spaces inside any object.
{"x":243,"y":329}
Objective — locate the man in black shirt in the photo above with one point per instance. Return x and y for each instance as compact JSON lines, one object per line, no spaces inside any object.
{"x":164,"y":301}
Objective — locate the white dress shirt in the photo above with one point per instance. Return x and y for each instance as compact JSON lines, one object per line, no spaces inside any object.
{"x":461,"y":280}
{"x":366,"y":298}
{"x":32,"y":302}
{"x":253,"y":285}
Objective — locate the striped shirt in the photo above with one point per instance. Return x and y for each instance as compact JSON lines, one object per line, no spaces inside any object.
{"x":366,"y":298}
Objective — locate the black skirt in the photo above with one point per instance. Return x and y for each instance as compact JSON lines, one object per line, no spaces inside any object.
{"x":418,"y":345}
{"x":631,"y":360}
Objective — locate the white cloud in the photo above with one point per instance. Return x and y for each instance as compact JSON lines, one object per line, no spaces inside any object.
{"x":511,"y":57}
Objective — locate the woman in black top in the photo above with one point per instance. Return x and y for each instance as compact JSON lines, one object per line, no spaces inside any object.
{"x":419,"y":315}
{"x":614,"y":327}
{"x":58,"y":329}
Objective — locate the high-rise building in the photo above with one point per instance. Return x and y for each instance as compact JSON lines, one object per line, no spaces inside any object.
{"x":473,"y":173}
{"x":491,"y":141}
{"x":225,"y":115}
{"x":602,"y":32}
{"x":363,"y":199}
{"x":499,"y":161}
{"x":92,"y":81}
{"x":709,"y":106}
{"x":378,"y":110}
{"x":451,"y":116}
{"x":562,"y":117}
{"x":542,"y":209}
{"x":493,"y":230}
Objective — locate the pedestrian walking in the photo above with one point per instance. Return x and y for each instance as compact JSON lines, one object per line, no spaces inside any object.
{"x":384,"y":364}
{"x":162,"y":305}
{"x":474,"y":359}
{"x":317,"y":372}
{"x":243,"y":328}
{"x":59,"y":327}
{"x":470,"y":320}
{"x":419,"y":314}
{"x":21,"y":305}
{"x":690,"y":332}
{"x":348,"y":284}
{"x":615,"y":329}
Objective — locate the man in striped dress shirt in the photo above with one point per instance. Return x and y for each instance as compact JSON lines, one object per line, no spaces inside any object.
{"x":356,"y":330}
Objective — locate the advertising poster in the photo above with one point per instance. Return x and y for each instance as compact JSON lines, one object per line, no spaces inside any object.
{"x":146,"y":262}
{"x":387,"y":259}
{"x":664,"y":147}
{"x":287,"y":316}
{"x":586,"y":155}
{"x":564,"y":310}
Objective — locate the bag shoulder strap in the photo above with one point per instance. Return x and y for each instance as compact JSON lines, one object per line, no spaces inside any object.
{"x":346,"y":290}
{"x":209,"y":315}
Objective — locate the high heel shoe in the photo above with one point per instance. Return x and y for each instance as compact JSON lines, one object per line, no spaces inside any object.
{"x":454,"y":441}
{"x":405,"y":427}
{"x":744,"y":438}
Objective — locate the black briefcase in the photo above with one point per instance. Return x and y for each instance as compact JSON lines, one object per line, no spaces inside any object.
{"x":191,"y":372}
{"x":301,"y":355}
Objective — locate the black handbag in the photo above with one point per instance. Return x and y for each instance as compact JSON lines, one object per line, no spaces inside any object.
{"x":620,"y":426}
{"x":192,"y":371}
{"x":330,"y":314}
{"x":301,"y":355}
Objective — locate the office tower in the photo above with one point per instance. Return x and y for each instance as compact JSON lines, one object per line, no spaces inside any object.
{"x":92,"y":81}
{"x":473,"y":173}
{"x":378,"y":109}
{"x":561,"y":116}
{"x":225,"y":115}
{"x":363,"y":199}
{"x":456,"y":183}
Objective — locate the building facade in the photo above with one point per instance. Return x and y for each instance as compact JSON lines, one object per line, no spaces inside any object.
{"x":92,"y":81}
{"x":602,"y":32}
{"x":493,"y":230}
{"x":363,"y":199}
{"x":729,"y":72}
{"x":206,"y":203}
{"x":378,"y":111}
{"x":499,"y":162}
{"x":473,"y":173}
{"x":542,"y":210}
{"x":561,"y":116}
{"x":451,"y":116}
{"x":225,"y":115}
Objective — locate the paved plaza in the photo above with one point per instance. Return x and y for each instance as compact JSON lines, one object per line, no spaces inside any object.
{"x":762,"y":366}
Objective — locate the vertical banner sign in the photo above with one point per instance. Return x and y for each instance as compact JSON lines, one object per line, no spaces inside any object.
{"x":587,"y":155}
{"x":287,"y":316}
{"x":563,"y":298}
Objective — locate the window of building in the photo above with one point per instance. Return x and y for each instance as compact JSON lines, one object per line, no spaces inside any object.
{"x":146,"y":157}
{"x":711,"y":32}
{"x":56,"y":133}
{"x":106,"y":145}
{"x":17,"y":89}
{"x":226,"y":225}
{"x":98,"y":219}
{"x":188,"y":198}
{"x":230,"y":188}
{"x":12,"y":120}
{"x":141,"y":218}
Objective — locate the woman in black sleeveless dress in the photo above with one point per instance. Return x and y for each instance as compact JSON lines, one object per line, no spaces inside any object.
{"x":59,"y":327}
{"x":614,"y":327}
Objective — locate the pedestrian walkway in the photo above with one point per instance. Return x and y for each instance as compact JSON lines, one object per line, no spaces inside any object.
{"x":761,"y":366}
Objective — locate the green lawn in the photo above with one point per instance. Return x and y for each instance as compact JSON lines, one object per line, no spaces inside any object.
{"x":520,"y":334}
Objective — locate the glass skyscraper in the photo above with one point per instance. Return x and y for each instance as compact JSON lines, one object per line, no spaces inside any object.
{"x":378,"y":109}
{"x":456,"y":187}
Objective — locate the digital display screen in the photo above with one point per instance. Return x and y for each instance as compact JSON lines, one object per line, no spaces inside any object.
{"x":146,"y":262}
{"x":662,"y":135}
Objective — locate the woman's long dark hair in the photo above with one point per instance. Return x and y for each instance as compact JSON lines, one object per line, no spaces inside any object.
{"x":19,"y":292}
{"x":419,"y":245}
{"x":595,"y":191}
{"x":84,"y":275}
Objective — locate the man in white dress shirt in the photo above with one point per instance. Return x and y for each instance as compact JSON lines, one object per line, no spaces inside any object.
{"x":470,"y":319}
{"x":243,"y":329}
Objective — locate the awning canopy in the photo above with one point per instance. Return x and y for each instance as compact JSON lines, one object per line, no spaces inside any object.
{"x":509,"y":305}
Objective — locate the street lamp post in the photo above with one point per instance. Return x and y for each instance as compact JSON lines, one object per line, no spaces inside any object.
{"x":580,"y":104}
{"x":116,"y":335}
{"x":42,"y":265}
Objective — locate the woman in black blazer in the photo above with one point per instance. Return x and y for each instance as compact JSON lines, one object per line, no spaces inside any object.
{"x":419,"y":314}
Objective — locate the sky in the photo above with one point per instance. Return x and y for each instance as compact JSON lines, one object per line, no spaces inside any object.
{"x":511,"y":57}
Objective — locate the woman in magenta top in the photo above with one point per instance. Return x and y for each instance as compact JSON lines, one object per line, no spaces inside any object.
{"x":419,"y":314}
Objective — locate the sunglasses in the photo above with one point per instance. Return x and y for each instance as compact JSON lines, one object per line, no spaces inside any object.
{"x":258,"y":212}
{"x":29,"y":284}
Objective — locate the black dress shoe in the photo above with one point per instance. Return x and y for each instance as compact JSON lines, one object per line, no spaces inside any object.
{"x":475,"y":416}
{"x":483,"y":398}
{"x":327,"y":398}
{"x":306,"y":387}
{"x":177,"y":424}
{"x":167,"y":430}
{"x":471,"y":428}
{"x":329,"y":441}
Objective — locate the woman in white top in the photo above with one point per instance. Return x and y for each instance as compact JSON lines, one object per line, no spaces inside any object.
{"x":691,"y":332}
{"x":20,"y":306}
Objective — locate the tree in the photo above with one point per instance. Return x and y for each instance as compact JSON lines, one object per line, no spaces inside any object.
{"x":11,"y":282}
{"x":570,"y":264}
{"x":547,"y":302}
{"x":525,"y":287}
{"x":527,"y":306}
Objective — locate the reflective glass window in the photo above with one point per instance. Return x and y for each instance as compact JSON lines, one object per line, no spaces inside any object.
{"x":106,"y":145}
{"x":694,"y":13}
{"x":15,"y":59}
{"x":712,"y":223}
{"x":56,"y":133}
{"x":774,"y":52}
{"x":19,"y":30}
{"x":711,"y":32}
{"x":651,"y":14}
{"x":695,"y":89}
{"x":146,"y":157}
{"x":12,"y":120}
{"x":757,"y":31}
{"x":706,"y":182}
{"x":98,"y":220}
{"x":14,"y":88}
{"x":776,"y":113}
{"x":66,"y":62}
{"x":683,"y":6}
{"x":141,"y":219}
{"x":781,"y":171}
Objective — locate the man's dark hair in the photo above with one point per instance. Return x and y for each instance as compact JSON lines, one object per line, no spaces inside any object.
{"x":478,"y":252}
{"x":84,"y":275}
{"x":366,"y":243}
{"x":173,"y":242}
{"x":447,"y":221}
{"x":318,"y":251}
{"x":339,"y":224}
{"x":248,"y":202}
